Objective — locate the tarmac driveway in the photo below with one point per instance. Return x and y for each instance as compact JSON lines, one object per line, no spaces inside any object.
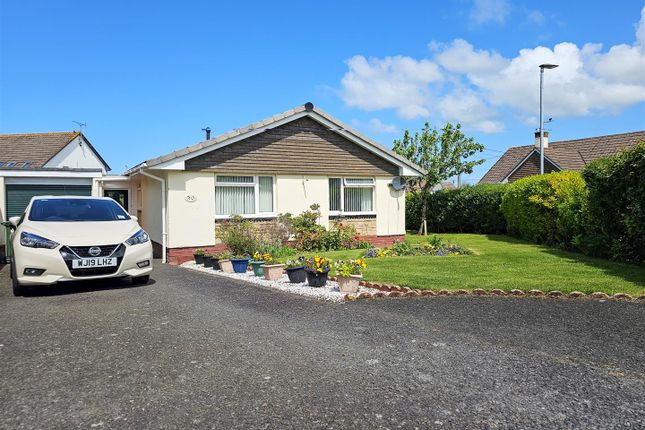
{"x":196,"y":351}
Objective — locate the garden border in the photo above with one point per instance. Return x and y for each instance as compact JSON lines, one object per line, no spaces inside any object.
{"x":391,"y":290}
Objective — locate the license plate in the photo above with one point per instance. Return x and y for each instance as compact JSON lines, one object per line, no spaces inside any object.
{"x":88,"y":263}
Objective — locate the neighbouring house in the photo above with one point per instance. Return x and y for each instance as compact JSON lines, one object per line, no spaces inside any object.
{"x":522,"y":161}
{"x":281,"y":164}
{"x":59,"y":163}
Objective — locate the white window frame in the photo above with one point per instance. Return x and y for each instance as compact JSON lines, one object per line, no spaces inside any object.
{"x":343,"y":184}
{"x":256,"y":194}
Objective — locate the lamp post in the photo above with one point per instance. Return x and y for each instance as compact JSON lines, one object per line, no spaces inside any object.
{"x":542,"y":67}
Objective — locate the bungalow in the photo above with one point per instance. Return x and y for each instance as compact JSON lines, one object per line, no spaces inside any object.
{"x":281,"y":164}
{"x":522,"y":161}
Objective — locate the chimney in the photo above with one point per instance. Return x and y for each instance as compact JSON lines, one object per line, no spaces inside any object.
{"x":208,"y":132}
{"x":545,"y":140}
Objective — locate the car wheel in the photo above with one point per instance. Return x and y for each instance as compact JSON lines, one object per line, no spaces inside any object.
{"x":18,"y":290}
{"x":141,"y":280}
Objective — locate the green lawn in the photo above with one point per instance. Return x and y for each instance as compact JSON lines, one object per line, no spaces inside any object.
{"x":503,"y":262}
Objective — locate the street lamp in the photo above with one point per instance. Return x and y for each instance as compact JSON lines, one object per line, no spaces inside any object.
{"x":542,"y":67}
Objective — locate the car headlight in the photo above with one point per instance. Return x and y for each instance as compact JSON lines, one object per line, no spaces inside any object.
{"x":34,"y":241}
{"x":139,"y":237}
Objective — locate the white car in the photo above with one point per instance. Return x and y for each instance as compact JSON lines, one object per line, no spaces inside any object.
{"x":65,"y":238}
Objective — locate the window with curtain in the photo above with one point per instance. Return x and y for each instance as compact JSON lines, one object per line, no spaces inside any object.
{"x":266,"y":193}
{"x":351,"y":195}
{"x":334,"y":194}
{"x":358,"y":199}
{"x":243,"y":195}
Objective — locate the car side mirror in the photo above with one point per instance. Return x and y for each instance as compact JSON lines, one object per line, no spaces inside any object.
{"x":14,"y":220}
{"x":134,"y":218}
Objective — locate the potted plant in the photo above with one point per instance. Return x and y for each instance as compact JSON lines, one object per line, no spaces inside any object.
{"x":272,"y":268}
{"x":296,"y":270}
{"x":257,"y":262}
{"x":349,"y":274}
{"x":206,"y":259}
{"x":198,"y":255}
{"x":317,"y":270}
{"x":215,"y":258}
{"x":225,"y":262}
{"x":240,"y":263}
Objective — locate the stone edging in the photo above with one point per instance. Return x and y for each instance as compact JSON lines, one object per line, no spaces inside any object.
{"x":391,"y":290}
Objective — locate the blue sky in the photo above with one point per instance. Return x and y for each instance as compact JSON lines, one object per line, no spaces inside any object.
{"x":147,"y":76}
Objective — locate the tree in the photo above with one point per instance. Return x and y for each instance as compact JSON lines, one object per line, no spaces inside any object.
{"x":442,"y":154}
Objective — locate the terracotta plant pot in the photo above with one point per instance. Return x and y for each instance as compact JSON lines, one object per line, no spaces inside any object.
{"x":199,"y":258}
{"x":273,"y":272}
{"x":240,"y":264}
{"x":226,"y":266}
{"x":349,"y":284}
{"x":317,"y":279}
{"x":297,"y":275}
{"x":257,"y":267}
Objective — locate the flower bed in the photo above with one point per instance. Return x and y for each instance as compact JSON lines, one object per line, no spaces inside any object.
{"x":434,"y":246}
{"x":328,"y":292}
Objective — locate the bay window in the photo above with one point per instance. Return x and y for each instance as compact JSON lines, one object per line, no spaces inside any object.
{"x":243,"y":195}
{"x":351,"y":195}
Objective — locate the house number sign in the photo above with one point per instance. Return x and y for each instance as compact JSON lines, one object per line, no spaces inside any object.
{"x":191,"y":198}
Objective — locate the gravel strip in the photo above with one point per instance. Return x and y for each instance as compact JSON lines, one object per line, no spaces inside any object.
{"x":329,"y":292}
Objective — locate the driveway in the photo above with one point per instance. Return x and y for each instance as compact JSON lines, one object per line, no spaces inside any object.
{"x":196,"y":351}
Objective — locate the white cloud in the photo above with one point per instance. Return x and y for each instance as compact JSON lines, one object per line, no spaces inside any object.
{"x":640,"y":31}
{"x":376,"y":126}
{"x":467,"y":107}
{"x":461,"y":83}
{"x":460,"y":57}
{"x":536,"y":17}
{"x":391,"y":82}
{"x":484,"y":11}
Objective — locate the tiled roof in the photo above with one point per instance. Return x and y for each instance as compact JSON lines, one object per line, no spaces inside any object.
{"x":263,"y":124}
{"x":32,"y":148}
{"x":566,"y":154}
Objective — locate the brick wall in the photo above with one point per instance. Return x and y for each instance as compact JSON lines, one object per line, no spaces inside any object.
{"x":261,"y":224}
{"x":178,"y":256}
{"x":365,"y":226}
{"x":381,"y":241}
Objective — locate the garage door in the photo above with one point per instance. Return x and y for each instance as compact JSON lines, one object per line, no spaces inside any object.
{"x":18,"y":195}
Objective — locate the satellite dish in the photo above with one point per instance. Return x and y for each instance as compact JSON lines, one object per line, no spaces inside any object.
{"x":398,"y":183}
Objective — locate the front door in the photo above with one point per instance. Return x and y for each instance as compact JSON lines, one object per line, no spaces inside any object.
{"x":121,"y":197}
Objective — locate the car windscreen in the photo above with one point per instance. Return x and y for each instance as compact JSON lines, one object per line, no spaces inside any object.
{"x":76,"y":210}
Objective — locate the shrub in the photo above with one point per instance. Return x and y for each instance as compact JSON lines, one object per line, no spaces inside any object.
{"x":471,"y":209}
{"x":616,"y":206}
{"x":239,"y":235}
{"x":309,"y":235}
{"x":276,"y":232}
{"x":341,"y":236}
{"x":546,"y":208}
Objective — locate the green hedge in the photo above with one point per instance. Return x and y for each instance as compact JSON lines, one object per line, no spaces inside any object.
{"x":600,"y":211}
{"x":472,"y":209}
{"x":616,"y":206}
{"x":546,"y":208}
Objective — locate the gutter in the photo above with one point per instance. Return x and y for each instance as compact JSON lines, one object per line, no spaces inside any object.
{"x":164,"y":233}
